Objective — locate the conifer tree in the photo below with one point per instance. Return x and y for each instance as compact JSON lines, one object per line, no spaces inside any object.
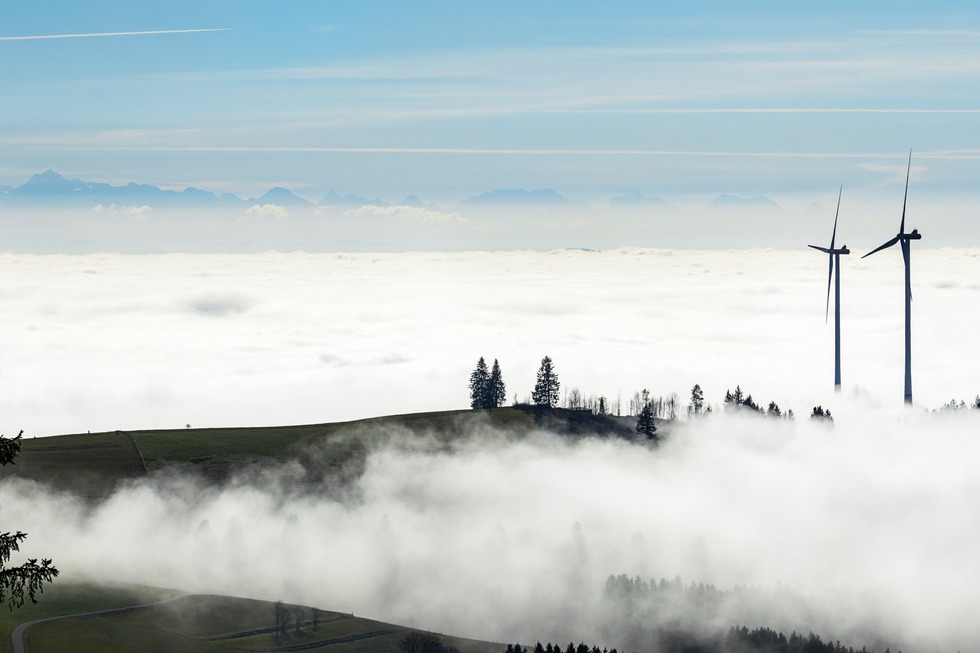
{"x":547,"y":386}
{"x":774,"y":410}
{"x":496,"y":389}
{"x":479,"y":383}
{"x":644,"y":422}
{"x":696,"y":406}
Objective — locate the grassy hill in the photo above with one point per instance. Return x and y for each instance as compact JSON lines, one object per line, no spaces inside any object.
{"x":195,"y":624}
{"x":91,"y":465}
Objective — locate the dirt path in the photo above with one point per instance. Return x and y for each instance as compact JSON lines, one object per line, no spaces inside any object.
{"x":17,"y":636}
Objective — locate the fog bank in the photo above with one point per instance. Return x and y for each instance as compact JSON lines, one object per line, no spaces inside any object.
{"x":103,"y":342}
{"x":871,"y":524}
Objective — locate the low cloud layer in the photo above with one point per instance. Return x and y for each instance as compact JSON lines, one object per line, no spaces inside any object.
{"x":102,"y":342}
{"x":870,"y":526}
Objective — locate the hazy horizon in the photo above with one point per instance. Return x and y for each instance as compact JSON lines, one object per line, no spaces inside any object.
{"x":449,"y":102}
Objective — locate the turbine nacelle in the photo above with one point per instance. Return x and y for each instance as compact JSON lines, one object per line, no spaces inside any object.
{"x":915,"y":235}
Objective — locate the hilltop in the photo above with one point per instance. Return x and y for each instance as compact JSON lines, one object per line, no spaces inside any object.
{"x":91,"y":465}
{"x":127,"y":617}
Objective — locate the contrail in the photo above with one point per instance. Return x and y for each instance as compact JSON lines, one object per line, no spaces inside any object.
{"x":98,"y":34}
{"x":939,"y":154}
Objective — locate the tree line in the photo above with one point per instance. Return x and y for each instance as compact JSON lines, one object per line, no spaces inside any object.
{"x":670,"y":616}
{"x":488,"y":390}
{"x":738,"y":639}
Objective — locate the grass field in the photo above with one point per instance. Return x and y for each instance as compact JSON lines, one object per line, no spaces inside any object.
{"x":61,"y":598}
{"x":89,"y":465}
{"x":92,"y":465}
{"x":195,"y":623}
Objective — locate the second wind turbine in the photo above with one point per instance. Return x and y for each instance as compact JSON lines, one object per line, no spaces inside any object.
{"x":905,"y":240}
{"x":834,"y":255}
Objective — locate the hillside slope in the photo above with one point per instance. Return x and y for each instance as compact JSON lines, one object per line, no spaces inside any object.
{"x":333,"y":454}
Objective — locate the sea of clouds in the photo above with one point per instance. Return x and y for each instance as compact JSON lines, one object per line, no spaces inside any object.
{"x":107,"y":341}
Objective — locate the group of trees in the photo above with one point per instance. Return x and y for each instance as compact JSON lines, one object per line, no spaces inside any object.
{"x":295,"y":616}
{"x":661,"y":407}
{"x":821,"y":414}
{"x":557,"y":648}
{"x":671,"y":616}
{"x":487,"y":388}
{"x":416,"y":642}
{"x":961,"y":405}
{"x":738,"y":639}
{"x":739,"y":401}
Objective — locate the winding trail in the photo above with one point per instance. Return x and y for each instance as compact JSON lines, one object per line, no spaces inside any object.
{"x":17,"y":636}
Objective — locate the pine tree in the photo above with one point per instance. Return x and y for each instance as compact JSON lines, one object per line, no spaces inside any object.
{"x":496,"y":389}
{"x":479,"y":382}
{"x":696,"y":406}
{"x":547,"y":386}
{"x":644,"y":422}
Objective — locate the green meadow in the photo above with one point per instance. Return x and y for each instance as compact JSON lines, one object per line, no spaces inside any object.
{"x":92,"y":465}
{"x":194,"y":623}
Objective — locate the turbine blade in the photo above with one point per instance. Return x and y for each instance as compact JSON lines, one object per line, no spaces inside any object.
{"x":905,"y":201}
{"x":830,"y":275}
{"x":820,"y":249}
{"x":881,"y":247}
{"x":833,"y":236}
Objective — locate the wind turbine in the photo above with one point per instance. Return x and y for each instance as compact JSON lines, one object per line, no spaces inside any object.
{"x":834,"y":255}
{"x":905,"y":240}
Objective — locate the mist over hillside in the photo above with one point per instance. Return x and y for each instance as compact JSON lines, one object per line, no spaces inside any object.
{"x":862,"y":532}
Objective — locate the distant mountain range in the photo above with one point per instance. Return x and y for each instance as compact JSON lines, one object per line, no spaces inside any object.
{"x":638,"y":199}
{"x":51,"y":188}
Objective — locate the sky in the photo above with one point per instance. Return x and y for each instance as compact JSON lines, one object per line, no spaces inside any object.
{"x":446,"y":101}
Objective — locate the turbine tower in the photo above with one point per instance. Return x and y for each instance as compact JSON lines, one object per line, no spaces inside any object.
{"x":834,"y":255}
{"x":905,"y":240}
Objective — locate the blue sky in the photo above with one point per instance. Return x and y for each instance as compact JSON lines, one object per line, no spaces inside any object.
{"x":447,"y":100}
